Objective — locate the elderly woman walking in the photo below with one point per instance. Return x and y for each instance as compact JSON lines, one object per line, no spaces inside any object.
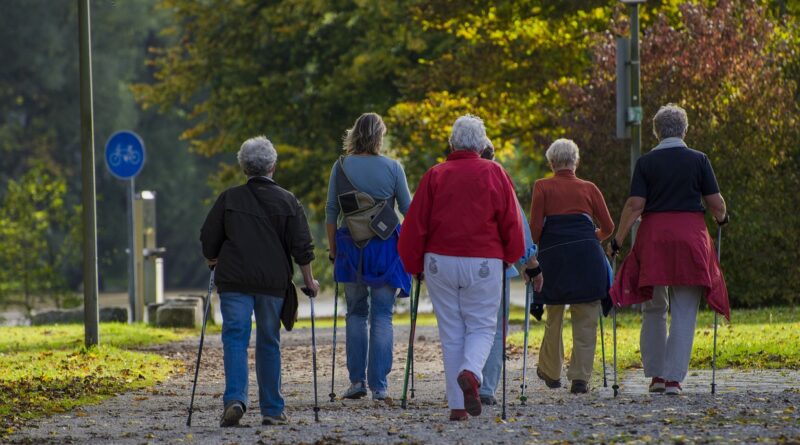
{"x":364,"y":187}
{"x":461,"y":230}
{"x":672,"y":250}
{"x":564,"y":211}
{"x":249,"y":237}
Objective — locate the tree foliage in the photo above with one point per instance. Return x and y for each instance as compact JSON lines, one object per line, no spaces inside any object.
{"x":725,"y":64}
{"x":39,"y":240}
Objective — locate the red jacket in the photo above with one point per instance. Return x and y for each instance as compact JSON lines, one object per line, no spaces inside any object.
{"x":463,"y":207}
{"x":671,"y":248}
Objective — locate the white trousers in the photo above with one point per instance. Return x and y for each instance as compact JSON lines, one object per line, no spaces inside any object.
{"x":465,"y":293}
{"x":668,"y":356}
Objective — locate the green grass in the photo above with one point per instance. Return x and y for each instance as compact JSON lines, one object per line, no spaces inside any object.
{"x":756,"y":338}
{"x":46,"y":369}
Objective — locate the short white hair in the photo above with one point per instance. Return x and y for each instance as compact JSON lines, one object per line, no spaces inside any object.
{"x":257,"y":156}
{"x":468,"y":133}
{"x":563,"y":153}
{"x":670,"y":122}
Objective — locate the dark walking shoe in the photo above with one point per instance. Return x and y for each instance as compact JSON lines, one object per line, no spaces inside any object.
{"x":231,"y":414}
{"x":552,"y":384}
{"x":657,"y":385}
{"x":488,"y":400}
{"x":356,"y":391}
{"x":280,"y":419}
{"x":458,"y":415}
{"x":579,"y":387}
{"x":469,"y":384}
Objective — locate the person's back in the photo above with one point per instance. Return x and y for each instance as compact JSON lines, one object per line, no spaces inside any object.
{"x":674,"y":179}
{"x":468,"y":192}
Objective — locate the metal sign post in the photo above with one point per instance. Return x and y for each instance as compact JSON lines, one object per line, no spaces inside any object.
{"x":91,"y":315}
{"x":125,"y":156}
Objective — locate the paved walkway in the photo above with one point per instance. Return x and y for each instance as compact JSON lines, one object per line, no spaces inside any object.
{"x":749,"y":407}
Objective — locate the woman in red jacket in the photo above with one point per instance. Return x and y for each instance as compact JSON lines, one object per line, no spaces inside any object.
{"x":461,"y":230}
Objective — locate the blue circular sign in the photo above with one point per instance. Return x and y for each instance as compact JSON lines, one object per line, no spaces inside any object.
{"x":125,"y":154}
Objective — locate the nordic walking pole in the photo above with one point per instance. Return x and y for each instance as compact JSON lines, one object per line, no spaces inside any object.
{"x":414,"y":305}
{"x":505,"y":332}
{"x":311,"y":294}
{"x":615,"y":386}
{"x":528,"y":298}
{"x":603,"y":348}
{"x":202,"y":338}
{"x":332,"y":395}
{"x":414,"y":321}
{"x":714,"y":357}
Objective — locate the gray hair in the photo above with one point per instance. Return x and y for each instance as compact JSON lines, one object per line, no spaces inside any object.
{"x":670,"y":122}
{"x":563,"y":153}
{"x":257,"y":156}
{"x":468,"y":134}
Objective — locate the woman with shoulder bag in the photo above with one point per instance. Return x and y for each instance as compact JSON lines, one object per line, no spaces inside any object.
{"x":364,"y":187}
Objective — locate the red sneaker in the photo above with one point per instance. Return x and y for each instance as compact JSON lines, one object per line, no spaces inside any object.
{"x":657,"y":385}
{"x":458,"y":415}
{"x":469,"y":384}
{"x":673,"y":388}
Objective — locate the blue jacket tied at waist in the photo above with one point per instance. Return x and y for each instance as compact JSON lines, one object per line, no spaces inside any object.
{"x":377,"y":264}
{"x":573,"y":262}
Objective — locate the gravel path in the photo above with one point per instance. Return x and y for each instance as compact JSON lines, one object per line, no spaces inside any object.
{"x":749,"y":407}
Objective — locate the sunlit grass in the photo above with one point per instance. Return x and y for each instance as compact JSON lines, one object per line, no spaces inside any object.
{"x":46,"y":369}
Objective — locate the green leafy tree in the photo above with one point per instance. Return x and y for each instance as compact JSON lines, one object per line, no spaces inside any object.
{"x":726,"y":65}
{"x":39,"y":240}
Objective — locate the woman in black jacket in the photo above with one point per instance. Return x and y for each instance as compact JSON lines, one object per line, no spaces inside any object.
{"x":250,"y":236}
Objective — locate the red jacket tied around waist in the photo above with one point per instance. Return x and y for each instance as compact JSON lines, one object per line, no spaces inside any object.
{"x":463,"y":207}
{"x":671,"y":248}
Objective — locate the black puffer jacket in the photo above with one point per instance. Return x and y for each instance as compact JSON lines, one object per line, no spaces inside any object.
{"x":252,"y":230}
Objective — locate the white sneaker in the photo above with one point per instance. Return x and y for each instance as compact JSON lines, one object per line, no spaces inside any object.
{"x":356,"y":391}
{"x":672,"y":388}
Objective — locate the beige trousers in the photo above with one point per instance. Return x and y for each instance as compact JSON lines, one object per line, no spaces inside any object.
{"x":584,"y":341}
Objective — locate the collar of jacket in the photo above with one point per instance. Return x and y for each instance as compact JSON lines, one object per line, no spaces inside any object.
{"x":565,"y":173}
{"x":458,"y":155}
{"x":670,"y":143}
{"x":262,"y":179}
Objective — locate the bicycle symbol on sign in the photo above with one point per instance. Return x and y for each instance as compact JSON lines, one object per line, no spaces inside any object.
{"x":128,"y":156}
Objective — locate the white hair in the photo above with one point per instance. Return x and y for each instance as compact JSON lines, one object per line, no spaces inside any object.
{"x":563,"y":153}
{"x":670,"y":122}
{"x":468,"y":134}
{"x":257,"y":156}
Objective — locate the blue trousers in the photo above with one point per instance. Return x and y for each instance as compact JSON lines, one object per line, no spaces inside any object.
{"x":493,"y":368}
{"x":237,"y":310}
{"x":369,"y":357}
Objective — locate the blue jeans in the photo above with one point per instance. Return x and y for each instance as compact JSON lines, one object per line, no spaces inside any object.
{"x":493,"y":368}
{"x":237,"y":309}
{"x":371,"y":353}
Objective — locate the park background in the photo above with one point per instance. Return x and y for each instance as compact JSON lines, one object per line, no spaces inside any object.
{"x":196,"y":78}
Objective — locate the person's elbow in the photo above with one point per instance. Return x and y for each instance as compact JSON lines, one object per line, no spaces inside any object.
{"x":635,"y":205}
{"x":716,"y":204}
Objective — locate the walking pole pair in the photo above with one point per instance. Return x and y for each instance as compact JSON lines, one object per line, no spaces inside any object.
{"x":332,"y":394}
{"x":311,"y":295}
{"x":414,"y":306}
{"x":714,"y":357}
{"x":202,"y":339}
{"x":528,"y":299}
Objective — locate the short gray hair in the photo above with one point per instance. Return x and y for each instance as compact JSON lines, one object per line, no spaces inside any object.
{"x":563,"y":153}
{"x":468,"y":133}
{"x":257,"y":156}
{"x":670,"y":122}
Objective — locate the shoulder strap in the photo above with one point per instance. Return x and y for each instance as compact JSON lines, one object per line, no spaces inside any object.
{"x":343,"y":183}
